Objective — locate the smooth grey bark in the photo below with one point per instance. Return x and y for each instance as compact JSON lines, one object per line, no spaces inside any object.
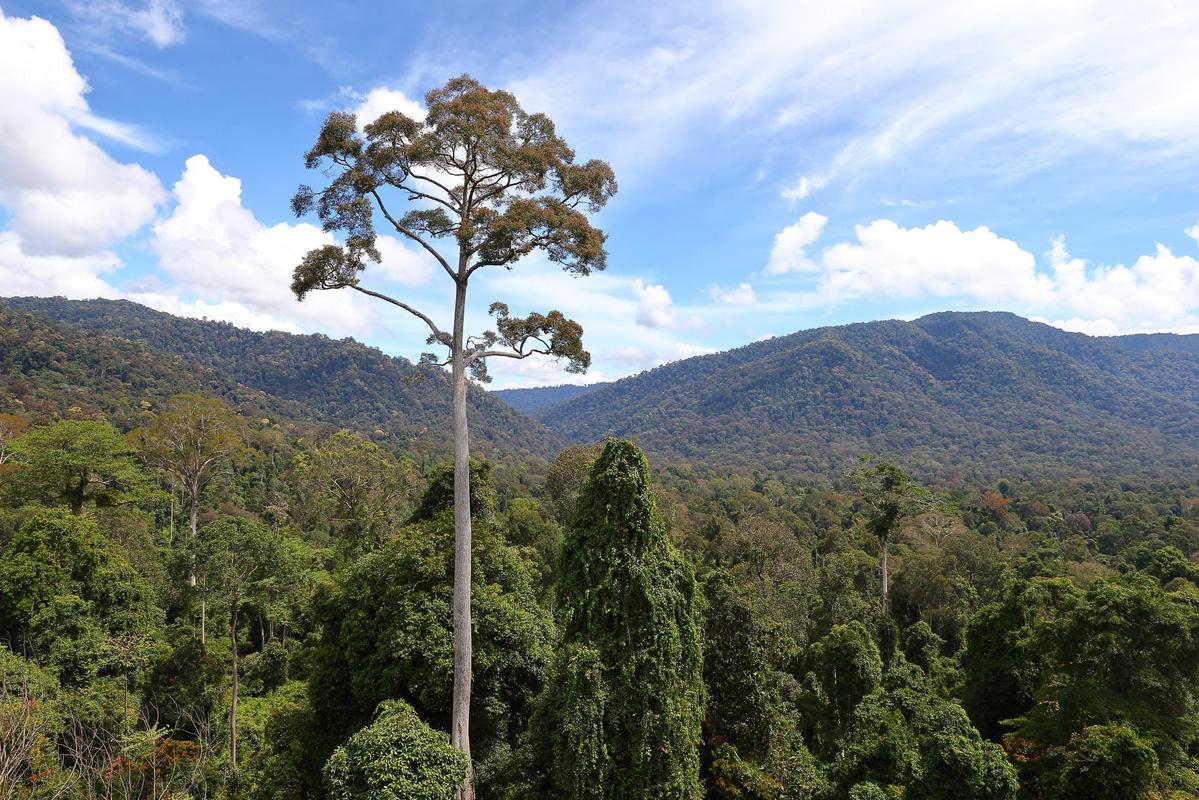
{"x":233,"y":703}
{"x":463,"y":644}
{"x":886,"y":577}
{"x":193,"y":494}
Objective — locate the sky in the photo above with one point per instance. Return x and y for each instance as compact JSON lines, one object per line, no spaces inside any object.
{"x":782,"y":165}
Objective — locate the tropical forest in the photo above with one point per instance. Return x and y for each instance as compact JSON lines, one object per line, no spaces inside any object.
{"x":462,"y":553}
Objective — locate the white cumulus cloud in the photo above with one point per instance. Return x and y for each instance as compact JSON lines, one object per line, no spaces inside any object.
{"x":655,"y":309}
{"x":382,"y":99}
{"x":938,"y":260}
{"x":76,"y":277}
{"x":217,"y":251}
{"x":789,"y":253}
{"x":402,"y":264}
{"x":1158,"y":291}
{"x":741,"y":295}
{"x":66,"y":196}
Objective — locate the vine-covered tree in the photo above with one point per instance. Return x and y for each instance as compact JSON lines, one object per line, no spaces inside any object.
{"x":621,"y":716}
{"x":481,"y":176}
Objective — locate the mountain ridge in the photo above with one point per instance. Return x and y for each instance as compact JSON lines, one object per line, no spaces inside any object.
{"x":955,"y":394}
{"x":340,"y":382}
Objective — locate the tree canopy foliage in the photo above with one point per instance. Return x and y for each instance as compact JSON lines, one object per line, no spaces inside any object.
{"x":1039,"y":641}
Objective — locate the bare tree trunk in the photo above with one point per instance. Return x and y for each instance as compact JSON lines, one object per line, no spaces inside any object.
{"x":886,"y":577}
{"x":460,"y":717}
{"x":193,"y":516}
{"x":233,"y":702}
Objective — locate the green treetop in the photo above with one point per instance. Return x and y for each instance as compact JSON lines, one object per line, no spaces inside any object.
{"x":76,"y":462}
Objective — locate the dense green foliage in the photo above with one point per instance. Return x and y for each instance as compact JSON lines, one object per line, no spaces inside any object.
{"x":75,"y":462}
{"x":621,"y":716}
{"x":1041,"y":639}
{"x":364,"y":658}
{"x":50,"y":370}
{"x":337,"y":382}
{"x":69,"y":596}
{"x":396,"y":757}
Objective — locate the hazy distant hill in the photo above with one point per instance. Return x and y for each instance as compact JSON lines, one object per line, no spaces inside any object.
{"x":339,"y":382}
{"x":952,"y":395}
{"x":532,"y":401}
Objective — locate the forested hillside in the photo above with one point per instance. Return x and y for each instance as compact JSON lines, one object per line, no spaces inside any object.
{"x":955,"y":396}
{"x":1025,"y":630}
{"x":338,"y":382}
{"x":294,"y":643}
{"x":49,"y":370}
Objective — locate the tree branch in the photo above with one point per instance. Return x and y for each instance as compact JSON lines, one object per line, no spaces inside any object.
{"x":432,"y":326}
{"x":480,"y":264}
{"x":427,"y":179}
{"x":413,"y":236}
{"x":516,"y":354}
{"x":415,"y":193}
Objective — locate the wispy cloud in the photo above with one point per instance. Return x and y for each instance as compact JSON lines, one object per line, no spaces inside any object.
{"x":1000,"y":86}
{"x":159,"y":22}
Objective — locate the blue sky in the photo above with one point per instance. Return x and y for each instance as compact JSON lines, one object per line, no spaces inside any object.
{"x":782,"y":165}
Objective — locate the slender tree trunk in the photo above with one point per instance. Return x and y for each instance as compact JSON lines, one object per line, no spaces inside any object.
{"x":886,"y":577}
{"x":233,"y":703}
{"x":460,"y":718}
{"x":193,"y":517}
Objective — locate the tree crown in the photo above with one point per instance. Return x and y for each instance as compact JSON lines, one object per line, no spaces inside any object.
{"x":478,"y":171}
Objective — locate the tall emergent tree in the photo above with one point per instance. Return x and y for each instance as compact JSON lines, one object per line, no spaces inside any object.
{"x":890,"y":496}
{"x":620,"y":718}
{"x":234,"y":560}
{"x":74,"y":462}
{"x":193,"y":441}
{"x":482,"y":183}
{"x":11,"y":427}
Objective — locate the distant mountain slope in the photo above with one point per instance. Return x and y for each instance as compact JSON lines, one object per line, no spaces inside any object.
{"x":534,"y":401}
{"x":49,"y":370}
{"x":340,"y":382}
{"x":952,"y":395}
